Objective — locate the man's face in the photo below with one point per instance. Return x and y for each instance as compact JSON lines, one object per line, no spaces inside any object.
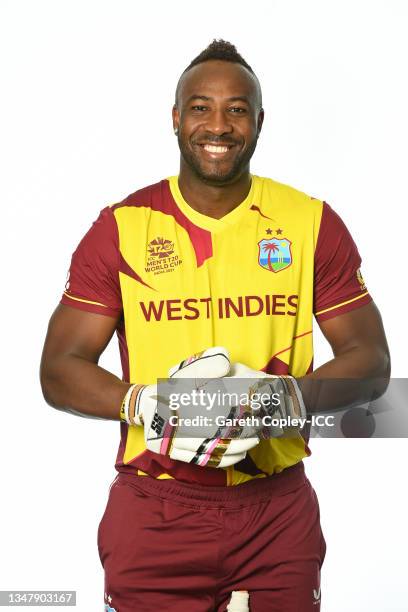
{"x":218,"y":115}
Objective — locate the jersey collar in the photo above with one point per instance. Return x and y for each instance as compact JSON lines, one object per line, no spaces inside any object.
{"x":209,"y":223}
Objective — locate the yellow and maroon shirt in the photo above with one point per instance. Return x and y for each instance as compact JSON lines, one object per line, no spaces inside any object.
{"x":181,"y":281}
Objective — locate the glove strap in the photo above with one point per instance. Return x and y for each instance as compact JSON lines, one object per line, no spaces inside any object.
{"x":128,"y":408}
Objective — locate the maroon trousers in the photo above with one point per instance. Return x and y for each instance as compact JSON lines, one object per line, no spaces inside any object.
{"x":167,"y":545}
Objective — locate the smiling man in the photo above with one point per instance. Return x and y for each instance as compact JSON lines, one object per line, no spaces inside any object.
{"x":220,"y":157}
{"x":214,"y":257}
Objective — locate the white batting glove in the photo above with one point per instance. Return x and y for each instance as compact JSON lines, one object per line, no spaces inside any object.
{"x":140,"y":408}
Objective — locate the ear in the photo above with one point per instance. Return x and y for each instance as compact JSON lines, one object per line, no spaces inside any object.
{"x":260,"y":120}
{"x":176,"y":117}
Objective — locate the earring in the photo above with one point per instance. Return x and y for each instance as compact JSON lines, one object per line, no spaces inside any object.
{"x":176,"y":131}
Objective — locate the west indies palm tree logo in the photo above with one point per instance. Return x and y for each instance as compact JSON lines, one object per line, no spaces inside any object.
{"x":275,"y":254}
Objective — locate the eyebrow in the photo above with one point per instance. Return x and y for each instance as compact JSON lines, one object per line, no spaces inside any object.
{"x":207,"y":99}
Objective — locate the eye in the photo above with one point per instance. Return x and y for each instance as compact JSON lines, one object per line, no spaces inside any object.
{"x":237,"y":109}
{"x":198,"y":107}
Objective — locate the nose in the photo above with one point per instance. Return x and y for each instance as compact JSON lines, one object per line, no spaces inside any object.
{"x":219,"y":123}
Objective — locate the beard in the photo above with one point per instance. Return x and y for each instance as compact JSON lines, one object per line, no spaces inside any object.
{"x":217,"y":172}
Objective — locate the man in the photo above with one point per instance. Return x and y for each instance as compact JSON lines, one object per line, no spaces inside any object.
{"x":215,"y":257}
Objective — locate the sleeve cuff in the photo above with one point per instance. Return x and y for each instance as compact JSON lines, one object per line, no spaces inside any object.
{"x":89,"y":305}
{"x":341,"y":308}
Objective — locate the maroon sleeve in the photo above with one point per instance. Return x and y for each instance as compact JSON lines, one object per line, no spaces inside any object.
{"x":338,"y":284}
{"x":93,"y":282}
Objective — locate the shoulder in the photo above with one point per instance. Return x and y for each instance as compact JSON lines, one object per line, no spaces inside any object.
{"x":148,"y":196}
{"x":104,"y":231}
{"x":289,"y":197}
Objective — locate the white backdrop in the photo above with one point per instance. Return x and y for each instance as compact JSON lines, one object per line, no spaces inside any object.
{"x":87,"y":93}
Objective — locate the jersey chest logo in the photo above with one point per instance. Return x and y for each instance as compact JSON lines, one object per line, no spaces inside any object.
{"x":275,"y":254}
{"x":161,"y":256}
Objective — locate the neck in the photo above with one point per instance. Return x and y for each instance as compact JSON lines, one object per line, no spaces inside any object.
{"x":213,"y":200}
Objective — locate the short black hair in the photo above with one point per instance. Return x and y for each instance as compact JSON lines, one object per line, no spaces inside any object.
{"x":220,"y":50}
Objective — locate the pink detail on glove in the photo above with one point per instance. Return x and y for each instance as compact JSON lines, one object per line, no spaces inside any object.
{"x":167,"y":438}
{"x":208,"y":454}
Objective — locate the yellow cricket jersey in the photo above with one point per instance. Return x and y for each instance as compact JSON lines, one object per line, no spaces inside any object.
{"x":182,"y":282}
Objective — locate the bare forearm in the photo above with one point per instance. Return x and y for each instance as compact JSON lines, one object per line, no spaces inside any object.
{"x":77,"y":385}
{"x":352,"y":378}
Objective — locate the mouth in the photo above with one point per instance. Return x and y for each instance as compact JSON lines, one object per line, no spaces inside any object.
{"x":216,"y":151}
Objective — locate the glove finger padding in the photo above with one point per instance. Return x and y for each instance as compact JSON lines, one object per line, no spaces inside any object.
{"x":203,"y":451}
{"x":211,"y":363}
{"x":205,"y":459}
{"x":240,"y":370}
{"x":212,"y":452}
{"x":217,"y":445}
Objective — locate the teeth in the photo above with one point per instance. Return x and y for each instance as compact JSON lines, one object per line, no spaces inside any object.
{"x":215,"y":149}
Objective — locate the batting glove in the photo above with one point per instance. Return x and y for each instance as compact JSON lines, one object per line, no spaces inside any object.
{"x":219,"y":450}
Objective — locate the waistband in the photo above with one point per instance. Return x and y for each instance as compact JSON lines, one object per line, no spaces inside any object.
{"x":244,"y":494}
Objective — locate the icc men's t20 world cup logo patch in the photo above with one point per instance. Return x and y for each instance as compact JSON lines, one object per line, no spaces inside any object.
{"x":161,"y":256}
{"x":160,"y":248}
{"x":275,"y":254}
